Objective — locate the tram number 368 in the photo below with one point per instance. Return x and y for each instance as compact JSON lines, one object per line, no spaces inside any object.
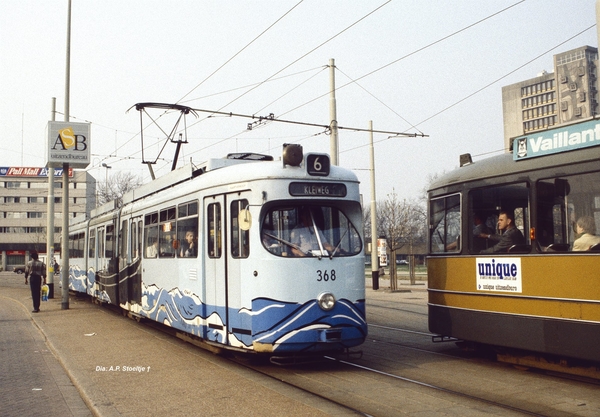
{"x":325,"y":275}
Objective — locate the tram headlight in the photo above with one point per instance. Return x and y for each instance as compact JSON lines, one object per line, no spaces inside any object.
{"x":326,"y":301}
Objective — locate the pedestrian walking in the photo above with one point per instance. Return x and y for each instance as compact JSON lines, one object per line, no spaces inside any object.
{"x":35,"y":271}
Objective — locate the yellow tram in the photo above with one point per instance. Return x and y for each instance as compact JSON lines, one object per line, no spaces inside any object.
{"x":538,"y":289}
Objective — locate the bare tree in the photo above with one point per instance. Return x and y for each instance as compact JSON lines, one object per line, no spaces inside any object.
{"x":116,"y":186}
{"x":403,"y":223}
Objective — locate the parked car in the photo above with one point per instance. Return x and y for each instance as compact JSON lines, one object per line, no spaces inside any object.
{"x":19,"y":269}
{"x":402,"y":262}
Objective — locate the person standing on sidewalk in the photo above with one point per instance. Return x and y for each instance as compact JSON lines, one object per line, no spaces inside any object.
{"x":37,"y":270}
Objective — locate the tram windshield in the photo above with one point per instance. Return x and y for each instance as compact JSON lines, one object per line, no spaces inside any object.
{"x":319,"y":231}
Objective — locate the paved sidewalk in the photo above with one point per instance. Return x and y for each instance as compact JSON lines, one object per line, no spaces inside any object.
{"x":32,"y":381}
{"x":122,"y":368}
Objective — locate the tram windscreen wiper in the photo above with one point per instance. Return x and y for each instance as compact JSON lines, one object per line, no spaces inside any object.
{"x":338,"y":245}
{"x":286,"y":242}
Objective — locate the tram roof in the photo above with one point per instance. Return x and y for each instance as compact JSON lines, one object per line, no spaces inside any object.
{"x":501,"y":165}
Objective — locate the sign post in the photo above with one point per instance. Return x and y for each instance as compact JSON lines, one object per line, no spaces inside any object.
{"x":68,"y":147}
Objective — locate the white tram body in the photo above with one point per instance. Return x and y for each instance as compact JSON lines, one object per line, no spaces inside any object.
{"x":240,"y":282}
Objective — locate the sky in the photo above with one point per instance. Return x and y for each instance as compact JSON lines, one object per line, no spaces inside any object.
{"x":434,"y":68}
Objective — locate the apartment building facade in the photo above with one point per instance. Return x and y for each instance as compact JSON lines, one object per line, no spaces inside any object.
{"x":24,"y":209}
{"x":567,"y":95}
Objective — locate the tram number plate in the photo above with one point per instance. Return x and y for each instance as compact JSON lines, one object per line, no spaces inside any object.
{"x":325,"y":275}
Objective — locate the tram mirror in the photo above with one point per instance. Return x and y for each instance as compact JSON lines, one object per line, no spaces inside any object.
{"x":245,"y":219}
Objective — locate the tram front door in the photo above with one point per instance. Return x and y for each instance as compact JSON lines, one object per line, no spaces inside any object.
{"x":227,"y":247}
{"x":215,"y":284}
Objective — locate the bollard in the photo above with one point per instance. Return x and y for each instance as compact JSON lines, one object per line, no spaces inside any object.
{"x":375,"y":277}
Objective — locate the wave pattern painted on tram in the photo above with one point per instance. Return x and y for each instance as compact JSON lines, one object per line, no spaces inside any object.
{"x":284,"y":324}
{"x":274,"y":322}
{"x":80,"y":281}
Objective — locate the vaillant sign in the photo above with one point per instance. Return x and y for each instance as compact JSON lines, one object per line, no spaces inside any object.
{"x":568,"y":138}
{"x":68,"y":143}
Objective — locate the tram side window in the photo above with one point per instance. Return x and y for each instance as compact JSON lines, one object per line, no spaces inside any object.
{"x":139,"y":246}
{"x":110,"y":241}
{"x":76,"y":245}
{"x":92,"y":244}
{"x":240,"y":239}
{"x":444,"y":224}
{"x":487,"y":206}
{"x":213,"y":218}
{"x":186,"y":244}
{"x":123,"y":239}
{"x":568,"y":213}
{"x":151,"y":235}
{"x":101,"y":242}
{"x":167,"y":242}
{"x":136,"y":240}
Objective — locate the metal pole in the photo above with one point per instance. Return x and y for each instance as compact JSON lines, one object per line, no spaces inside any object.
{"x":64,"y":250}
{"x":374,"y":258}
{"x":333,"y":140}
{"x":50,"y":222}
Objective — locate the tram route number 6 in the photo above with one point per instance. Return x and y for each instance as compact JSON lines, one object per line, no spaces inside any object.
{"x":317,"y":164}
{"x":325,"y":275}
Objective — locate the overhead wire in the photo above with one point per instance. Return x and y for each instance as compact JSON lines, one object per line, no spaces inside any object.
{"x":504,"y":76}
{"x":410,"y":54}
{"x":289,"y":65}
{"x":302,"y":57}
{"x":241,"y":50}
{"x":218,"y":69}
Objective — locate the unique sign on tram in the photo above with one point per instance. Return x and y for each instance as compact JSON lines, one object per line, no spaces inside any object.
{"x":311,"y":189}
{"x":567,"y":138}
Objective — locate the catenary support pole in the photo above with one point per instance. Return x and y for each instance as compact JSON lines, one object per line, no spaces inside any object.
{"x":374,"y":258}
{"x":64,"y":250}
{"x":50,"y":222}
{"x":333,"y":140}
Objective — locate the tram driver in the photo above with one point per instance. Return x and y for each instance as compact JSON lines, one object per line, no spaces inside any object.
{"x":304,"y":236}
{"x":510,"y":234}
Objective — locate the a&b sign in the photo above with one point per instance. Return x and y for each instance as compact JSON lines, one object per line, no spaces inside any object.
{"x":68,"y":143}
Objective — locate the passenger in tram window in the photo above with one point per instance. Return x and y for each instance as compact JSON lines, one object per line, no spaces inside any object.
{"x":189,"y":249}
{"x":152,"y":250}
{"x":479,"y":226}
{"x":479,"y":229}
{"x":586,"y":229}
{"x":510,"y":234}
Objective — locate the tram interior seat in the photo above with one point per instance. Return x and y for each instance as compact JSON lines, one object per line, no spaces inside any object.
{"x":595,"y":248}
{"x":519,"y":248}
{"x":558,"y":247}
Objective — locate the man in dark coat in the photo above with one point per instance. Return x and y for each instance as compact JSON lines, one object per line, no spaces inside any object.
{"x":510,"y":234}
{"x":35,"y":271}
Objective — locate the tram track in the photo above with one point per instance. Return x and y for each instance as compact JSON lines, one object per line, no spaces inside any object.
{"x":344,"y":393}
{"x":382,"y":384}
{"x":437,"y":388}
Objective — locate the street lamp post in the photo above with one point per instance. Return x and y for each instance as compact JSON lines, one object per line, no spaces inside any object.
{"x":107,"y":168}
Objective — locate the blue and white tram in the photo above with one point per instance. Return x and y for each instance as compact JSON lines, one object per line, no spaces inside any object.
{"x":245,"y":253}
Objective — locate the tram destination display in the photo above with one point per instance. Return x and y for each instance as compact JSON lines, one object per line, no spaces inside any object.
{"x":308,"y":189}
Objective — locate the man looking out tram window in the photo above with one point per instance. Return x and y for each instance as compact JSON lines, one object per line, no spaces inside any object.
{"x":510,"y":234}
